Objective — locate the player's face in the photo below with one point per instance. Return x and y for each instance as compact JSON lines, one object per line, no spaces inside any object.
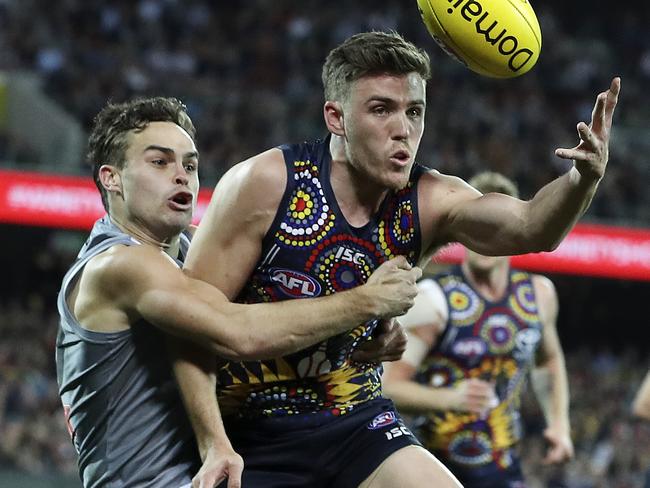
{"x":160,"y":178}
{"x":384,"y":121}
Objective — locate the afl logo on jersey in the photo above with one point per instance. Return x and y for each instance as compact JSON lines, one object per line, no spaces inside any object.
{"x":382,"y":420}
{"x":469,"y":347}
{"x":294,"y":284}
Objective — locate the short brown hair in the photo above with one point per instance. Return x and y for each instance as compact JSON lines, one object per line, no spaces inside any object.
{"x":492,"y":182}
{"x":107,"y":143}
{"x":371,"y":53}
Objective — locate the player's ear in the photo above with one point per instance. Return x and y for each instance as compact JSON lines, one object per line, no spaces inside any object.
{"x":110,"y":178}
{"x":333,"y":113}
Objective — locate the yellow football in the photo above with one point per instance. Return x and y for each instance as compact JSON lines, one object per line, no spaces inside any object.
{"x":497,"y":38}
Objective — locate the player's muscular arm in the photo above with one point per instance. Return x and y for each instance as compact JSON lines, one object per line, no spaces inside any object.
{"x":453,"y":211}
{"x":499,"y":225}
{"x":495,"y":224}
{"x":143,"y":282}
{"x":491,"y":224}
{"x":549,"y":377}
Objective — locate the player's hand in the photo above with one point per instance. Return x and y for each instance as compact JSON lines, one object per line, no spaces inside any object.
{"x":560,"y":447}
{"x":591,"y":154}
{"x":388,"y":344}
{"x":475,"y":396}
{"x":219,"y":464}
{"x":392,"y":287}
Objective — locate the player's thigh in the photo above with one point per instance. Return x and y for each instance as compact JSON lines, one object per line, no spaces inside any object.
{"x":411,"y":467}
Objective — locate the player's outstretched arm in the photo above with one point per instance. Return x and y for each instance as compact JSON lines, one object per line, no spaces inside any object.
{"x":499,"y":225}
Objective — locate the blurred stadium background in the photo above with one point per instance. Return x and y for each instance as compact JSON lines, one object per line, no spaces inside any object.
{"x":250,"y":75}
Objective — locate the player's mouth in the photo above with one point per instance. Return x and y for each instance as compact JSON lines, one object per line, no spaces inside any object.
{"x":181,"y":200}
{"x":400,"y":158}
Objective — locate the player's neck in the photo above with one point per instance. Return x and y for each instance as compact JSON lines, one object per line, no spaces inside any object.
{"x":490,"y":282}
{"x":168,"y":243}
{"x":358,"y":197}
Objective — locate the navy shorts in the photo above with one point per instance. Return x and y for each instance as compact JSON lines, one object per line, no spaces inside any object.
{"x":340,"y":452}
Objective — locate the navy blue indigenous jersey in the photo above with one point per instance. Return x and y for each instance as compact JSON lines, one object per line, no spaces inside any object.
{"x":310,"y":250}
{"x":493,"y":341}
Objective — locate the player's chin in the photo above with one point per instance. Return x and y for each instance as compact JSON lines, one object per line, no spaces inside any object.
{"x":396,"y":180}
{"x":179,"y":221}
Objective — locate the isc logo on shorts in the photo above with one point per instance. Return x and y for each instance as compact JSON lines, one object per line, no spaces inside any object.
{"x":382,"y":420}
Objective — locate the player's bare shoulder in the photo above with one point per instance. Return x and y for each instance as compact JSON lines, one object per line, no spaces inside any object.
{"x":438,"y":195}
{"x":546,"y":296}
{"x":544,"y":287}
{"x":121,"y":272}
{"x":102,"y":299}
{"x":263,"y":175}
{"x":441,"y":187}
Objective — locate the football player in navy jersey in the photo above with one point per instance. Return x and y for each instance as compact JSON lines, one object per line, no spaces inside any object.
{"x":476,"y":332}
{"x":327,"y":213}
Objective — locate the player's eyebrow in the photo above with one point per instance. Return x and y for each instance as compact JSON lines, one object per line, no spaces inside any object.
{"x":170,"y":151}
{"x":389,"y":100}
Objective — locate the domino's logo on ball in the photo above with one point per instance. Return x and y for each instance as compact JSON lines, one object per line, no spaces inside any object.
{"x":496,"y":38}
{"x":384,"y":419}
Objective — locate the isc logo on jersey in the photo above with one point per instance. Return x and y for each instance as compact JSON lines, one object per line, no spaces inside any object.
{"x":295,"y":284}
{"x":350,"y":255}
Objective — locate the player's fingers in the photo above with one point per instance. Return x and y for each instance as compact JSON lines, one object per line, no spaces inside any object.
{"x":598,"y":113}
{"x":417,"y":272}
{"x":214,"y":480}
{"x":574,"y":153}
{"x":364,"y":351}
{"x":234,"y":475}
{"x":385,"y":325}
{"x":198,"y":480}
{"x":401,"y":262}
{"x":587,"y":135}
{"x":554,"y":455}
{"x":612,"y":100}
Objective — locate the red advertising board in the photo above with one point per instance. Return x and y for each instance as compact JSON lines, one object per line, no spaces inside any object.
{"x":74,"y":203}
{"x":67,"y":202}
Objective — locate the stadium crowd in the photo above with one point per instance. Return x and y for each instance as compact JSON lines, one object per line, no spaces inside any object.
{"x":250,"y":75}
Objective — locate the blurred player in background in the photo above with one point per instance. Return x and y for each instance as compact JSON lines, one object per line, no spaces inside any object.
{"x":327,"y":213}
{"x":475,"y":333}
{"x":641,"y":403}
{"x":641,"y":409}
{"x":124,"y":412}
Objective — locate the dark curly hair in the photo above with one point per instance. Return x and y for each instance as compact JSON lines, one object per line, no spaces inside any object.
{"x":107,"y":143}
